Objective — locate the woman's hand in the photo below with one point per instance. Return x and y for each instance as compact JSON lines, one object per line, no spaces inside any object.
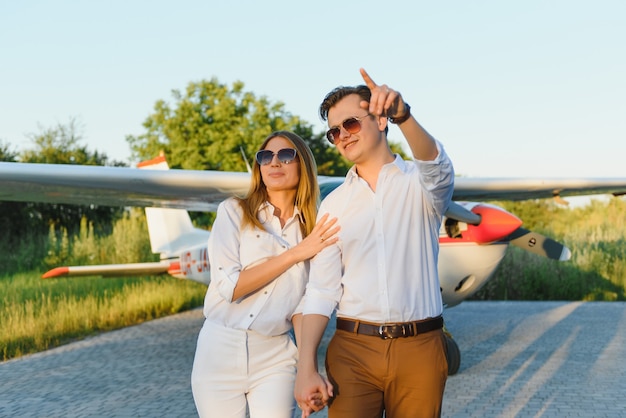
{"x":323,"y":235}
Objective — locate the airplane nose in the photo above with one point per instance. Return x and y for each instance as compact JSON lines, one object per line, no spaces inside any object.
{"x":495,"y":224}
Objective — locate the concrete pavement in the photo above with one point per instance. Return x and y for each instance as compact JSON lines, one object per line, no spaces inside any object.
{"x":519,"y":359}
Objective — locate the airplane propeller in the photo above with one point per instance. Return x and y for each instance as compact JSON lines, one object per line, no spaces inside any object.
{"x":539,"y":244}
{"x":487,"y":223}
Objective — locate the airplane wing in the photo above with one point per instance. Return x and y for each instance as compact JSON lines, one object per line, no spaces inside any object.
{"x":482,"y":189}
{"x":198,"y":190}
{"x":193,"y":190}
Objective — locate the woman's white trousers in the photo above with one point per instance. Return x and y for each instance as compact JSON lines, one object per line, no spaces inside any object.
{"x":234,"y":370}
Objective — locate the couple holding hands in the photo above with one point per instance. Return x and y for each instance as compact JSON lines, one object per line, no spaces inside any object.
{"x":368,"y":252}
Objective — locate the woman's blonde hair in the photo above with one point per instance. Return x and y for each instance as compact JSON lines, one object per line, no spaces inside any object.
{"x":307,"y":194}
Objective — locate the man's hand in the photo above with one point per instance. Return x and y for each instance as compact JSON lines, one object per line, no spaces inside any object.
{"x":388,"y":103}
{"x":384,"y":101}
{"x":312,"y":392}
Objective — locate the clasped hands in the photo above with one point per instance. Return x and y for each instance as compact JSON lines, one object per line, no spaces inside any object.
{"x":313,"y":394}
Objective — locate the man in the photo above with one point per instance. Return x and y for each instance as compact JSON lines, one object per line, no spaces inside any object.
{"x":388,"y":353}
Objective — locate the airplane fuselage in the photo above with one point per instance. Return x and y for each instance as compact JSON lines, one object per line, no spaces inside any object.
{"x":464,"y":267}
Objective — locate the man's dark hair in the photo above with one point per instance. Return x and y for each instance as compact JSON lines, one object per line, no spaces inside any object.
{"x":339,"y":93}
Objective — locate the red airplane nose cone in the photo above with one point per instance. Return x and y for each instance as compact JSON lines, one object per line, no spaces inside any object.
{"x":495,"y":224}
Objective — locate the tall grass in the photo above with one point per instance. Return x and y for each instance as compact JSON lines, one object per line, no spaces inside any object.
{"x":127,"y":243}
{"x":596,"y":235}
{"x":38,"y":314}
{"x":22,"y":255}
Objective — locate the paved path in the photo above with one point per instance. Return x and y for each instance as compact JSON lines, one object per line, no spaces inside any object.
{"x":519,"y":359}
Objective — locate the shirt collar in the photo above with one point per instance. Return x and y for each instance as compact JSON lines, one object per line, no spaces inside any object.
{"x":398,"y":162}
{"x":267,"y":209}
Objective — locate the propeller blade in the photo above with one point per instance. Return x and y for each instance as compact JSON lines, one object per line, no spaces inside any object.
{"x":539,"y":244}
{"x":520,"y":237}
{"x":458,"y":212}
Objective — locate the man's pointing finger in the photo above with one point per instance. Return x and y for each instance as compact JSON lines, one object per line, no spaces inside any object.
{"x":368,"y":80}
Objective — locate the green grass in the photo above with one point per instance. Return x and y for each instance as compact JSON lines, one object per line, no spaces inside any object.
{"x":38,"y":314}
{"x":596,"y":235}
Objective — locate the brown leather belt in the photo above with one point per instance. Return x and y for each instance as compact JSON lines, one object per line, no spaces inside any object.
{"x":385,"y":331}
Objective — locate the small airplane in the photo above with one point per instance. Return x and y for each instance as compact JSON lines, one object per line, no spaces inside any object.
{"x":473,"y":238}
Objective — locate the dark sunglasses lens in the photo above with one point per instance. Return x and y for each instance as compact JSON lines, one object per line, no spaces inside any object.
{"x":332,"y":134}
{"x":286,"y":155}
{"x":264,"y":157}
{"x":352,"y":125}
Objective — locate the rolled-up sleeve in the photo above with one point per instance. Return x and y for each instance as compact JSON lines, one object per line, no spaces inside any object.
{"x":437,"y":177}
{"x":223,"y":249}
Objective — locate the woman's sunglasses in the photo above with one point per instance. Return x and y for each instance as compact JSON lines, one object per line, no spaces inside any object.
{"x":352,"y":125}
{"x":285,"y":156}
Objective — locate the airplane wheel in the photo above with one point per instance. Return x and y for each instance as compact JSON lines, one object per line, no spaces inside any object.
{"x":453,"y":355}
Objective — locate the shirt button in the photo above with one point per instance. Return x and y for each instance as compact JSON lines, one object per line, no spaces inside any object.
{"x":251,"y":315}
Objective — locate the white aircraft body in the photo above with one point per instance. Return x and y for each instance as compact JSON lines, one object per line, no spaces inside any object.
{"x":473,"y":238}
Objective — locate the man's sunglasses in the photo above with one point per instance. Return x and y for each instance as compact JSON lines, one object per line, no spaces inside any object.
{"x":352,"y":125}
{"x":285,"y":156}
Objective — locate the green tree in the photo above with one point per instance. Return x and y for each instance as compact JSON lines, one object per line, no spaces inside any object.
{"x":209,"y":124}
{"x":6,"y":153}
{"x":61,"y":144}
{"x":14,"y":216}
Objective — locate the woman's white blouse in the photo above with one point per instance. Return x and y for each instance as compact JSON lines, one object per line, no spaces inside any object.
{"x":231,"y":250}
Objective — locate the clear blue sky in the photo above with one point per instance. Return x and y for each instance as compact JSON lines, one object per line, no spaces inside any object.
{"x":533,"y":88}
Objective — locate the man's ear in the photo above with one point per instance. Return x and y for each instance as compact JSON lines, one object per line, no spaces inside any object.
{"x":382,"y":122}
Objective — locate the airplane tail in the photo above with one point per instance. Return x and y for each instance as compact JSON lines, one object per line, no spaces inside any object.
{"x":170,"y":230}
{"x":182,"y":247}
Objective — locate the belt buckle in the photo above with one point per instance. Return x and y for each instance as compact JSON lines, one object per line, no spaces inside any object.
{"x":382,"y":332}
{"x":392,"y":331}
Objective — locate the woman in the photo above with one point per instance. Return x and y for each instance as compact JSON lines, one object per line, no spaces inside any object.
{"x":258,"y":251}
